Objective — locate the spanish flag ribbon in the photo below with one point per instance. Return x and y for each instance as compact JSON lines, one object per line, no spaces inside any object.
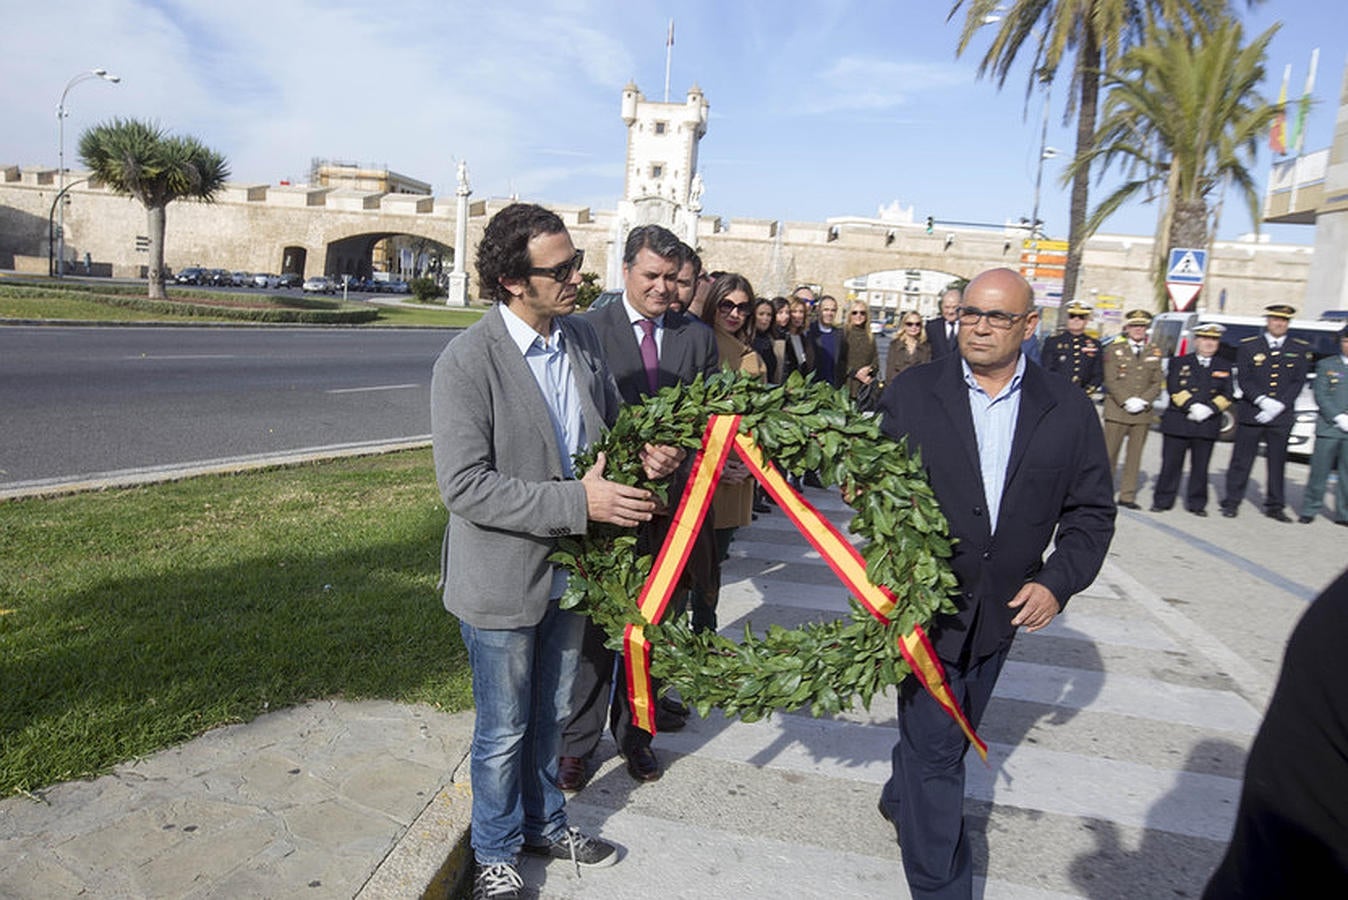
{"x":848,"y":564}
{"x":669,"y":563}
{"x":842,"y":557}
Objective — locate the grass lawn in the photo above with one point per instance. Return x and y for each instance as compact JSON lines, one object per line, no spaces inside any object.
{"x":131,"y":620}
{"x":75,"y":303}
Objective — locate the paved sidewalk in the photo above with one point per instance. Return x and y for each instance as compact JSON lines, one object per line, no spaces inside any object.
{"x":1117,"y":739}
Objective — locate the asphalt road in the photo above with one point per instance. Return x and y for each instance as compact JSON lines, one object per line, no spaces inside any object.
{"x":81,"y":401}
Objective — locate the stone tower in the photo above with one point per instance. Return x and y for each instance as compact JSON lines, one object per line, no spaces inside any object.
{"x":661,"y":185}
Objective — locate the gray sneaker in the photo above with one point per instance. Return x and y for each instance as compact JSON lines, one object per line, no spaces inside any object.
{"x":498,"y":881}
{"x":578,"y":847}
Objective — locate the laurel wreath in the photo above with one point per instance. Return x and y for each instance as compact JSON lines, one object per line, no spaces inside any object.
{"x":800,"y":426}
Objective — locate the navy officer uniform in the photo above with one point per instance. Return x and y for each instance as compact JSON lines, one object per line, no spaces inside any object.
{"x":1200,"y":389}
{"x":1075,"y":356}
{"x":1271,"y":370}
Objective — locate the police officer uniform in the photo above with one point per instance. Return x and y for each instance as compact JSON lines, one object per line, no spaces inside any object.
{"x":1271,"y":373}
{"x":1133,"y":378}
{"x":1200,"y":389}
{"x":1076,"y":357}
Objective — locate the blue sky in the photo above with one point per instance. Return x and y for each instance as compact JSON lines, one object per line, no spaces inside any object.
{"x":818,"y":109}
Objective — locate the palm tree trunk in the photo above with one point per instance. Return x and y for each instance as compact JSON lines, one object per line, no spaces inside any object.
{"x":1088,"y":71}
{"x":156,"y":216}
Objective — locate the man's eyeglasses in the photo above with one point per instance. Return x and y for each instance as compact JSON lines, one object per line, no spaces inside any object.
{"x":1002,"y":321}
{"x":561,"y":274}
{"x":1077,"y":316}
{"x":728,"y":307}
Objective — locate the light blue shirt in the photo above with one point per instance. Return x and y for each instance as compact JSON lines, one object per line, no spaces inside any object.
{"x":551,"y":368}
{"x":995,"y":429}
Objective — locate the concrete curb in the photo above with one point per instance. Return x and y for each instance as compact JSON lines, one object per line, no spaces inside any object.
{"x":433,"y":860}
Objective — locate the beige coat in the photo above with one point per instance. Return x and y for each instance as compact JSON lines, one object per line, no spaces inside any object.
{"x":733,"y":505}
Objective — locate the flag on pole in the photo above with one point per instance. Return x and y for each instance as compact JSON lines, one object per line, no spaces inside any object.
{"x":1297,"y":138}
{"x":1277,"y":134}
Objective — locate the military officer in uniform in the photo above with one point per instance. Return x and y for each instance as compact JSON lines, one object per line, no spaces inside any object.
{"x":1200,"y":387}
{"x":1133,"y":377}
{"x":1271,"y":369}
{"x":1331,"y":434}
{"x":1074,"y":354}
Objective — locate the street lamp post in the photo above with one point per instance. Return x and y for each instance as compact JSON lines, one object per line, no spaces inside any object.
{"x":1045,"y":152}
{"x":61,"y":113}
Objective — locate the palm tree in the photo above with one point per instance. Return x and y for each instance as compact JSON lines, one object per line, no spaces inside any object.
{"x":1184,"y":111}
{"x":142,"y":160}
{"x":1095,"y":33}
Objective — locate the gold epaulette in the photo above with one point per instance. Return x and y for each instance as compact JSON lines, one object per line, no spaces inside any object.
{"x":1221,"y":403}
{"x":1181,"y":397}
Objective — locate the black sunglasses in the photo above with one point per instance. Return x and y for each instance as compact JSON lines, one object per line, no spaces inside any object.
{"x":562,"y":273}
{"x":728,"y":307}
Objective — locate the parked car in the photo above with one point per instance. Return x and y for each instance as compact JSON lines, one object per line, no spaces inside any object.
{"x":191,"y":275}
{"x":289,"y":280}
{"x":263,"y":280}
{"x":318,"y":284}
{"x":397,"y":286}
{"x":241,"y":279}
{"x":1173,"y":333}
{"x":605,"y":298}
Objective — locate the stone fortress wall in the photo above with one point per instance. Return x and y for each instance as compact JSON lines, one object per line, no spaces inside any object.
{"x":251,"y":227}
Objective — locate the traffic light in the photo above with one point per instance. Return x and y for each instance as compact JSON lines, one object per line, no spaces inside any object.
{"x":931,"y":225}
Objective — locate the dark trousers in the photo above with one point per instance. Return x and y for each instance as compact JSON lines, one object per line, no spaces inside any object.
{"x":925,"y":793}
{"x":1248,"y":438}
{"x":1173,"y":449}
{"x":599,"y":671}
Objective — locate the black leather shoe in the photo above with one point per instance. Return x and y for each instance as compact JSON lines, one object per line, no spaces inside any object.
{"x":761,"y":507}
{"x":1228,"y":512}
{"x":642,"y":764}
{"x":1305,"y":520}
{"x":1201,"y":513}
{"x":1155,"y":508}
{"x":674,"y":705}
{"x":1128,"y":504}
{"x":668,"y":721}
{"x":1341,"y":521}
{"x":1277,"y":515}
{"x":571,"y":773}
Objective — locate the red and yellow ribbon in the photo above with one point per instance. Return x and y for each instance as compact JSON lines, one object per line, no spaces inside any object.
{"x":842,"y":557}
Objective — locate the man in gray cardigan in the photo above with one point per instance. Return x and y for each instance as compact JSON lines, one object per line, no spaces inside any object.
{"x":512,"y":399}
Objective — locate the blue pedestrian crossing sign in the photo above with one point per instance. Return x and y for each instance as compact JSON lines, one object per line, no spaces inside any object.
{"x":1186,"y":266}
{"x":1184,"y":275}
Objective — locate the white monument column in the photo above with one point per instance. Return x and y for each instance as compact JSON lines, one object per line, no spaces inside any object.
{"x":458,"y":279}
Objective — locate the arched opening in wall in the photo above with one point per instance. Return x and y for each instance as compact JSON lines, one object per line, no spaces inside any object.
{"x":387,"y":256}
{"x":292,"y":261}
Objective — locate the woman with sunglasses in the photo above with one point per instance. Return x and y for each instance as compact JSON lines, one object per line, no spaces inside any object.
{"x":909,"y":347}
{"x":729,"y":311}
{"x":859,"y":357}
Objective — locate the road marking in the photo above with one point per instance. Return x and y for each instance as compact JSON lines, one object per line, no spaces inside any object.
{"x":379,"y":387}
{"x":158,"y":356}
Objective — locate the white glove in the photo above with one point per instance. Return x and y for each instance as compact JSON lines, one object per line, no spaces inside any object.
{"x":1134,"y":404}
{"x":1271,"y":406}
{"x":1200,"y":412}
{"x":1341,"y":420}
{"x":1263,"y":417}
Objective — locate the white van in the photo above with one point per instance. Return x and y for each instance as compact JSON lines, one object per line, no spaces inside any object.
{"x":1173,"y":333}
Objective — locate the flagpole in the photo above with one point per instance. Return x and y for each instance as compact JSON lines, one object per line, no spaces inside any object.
{"x":669,"y":52}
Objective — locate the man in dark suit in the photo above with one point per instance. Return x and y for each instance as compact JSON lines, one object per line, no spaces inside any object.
{"x":1200,"y":388}
{"x":647,"y":346}
{"x":1271,"y":369}
{"x":1016,"y":459}
{"x":943,"y":333}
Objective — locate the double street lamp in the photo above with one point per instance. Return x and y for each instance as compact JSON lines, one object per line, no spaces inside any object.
{"x":61,"y":113}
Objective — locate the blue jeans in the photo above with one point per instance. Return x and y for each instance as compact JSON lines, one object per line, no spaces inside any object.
{"x":522,"y":690}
